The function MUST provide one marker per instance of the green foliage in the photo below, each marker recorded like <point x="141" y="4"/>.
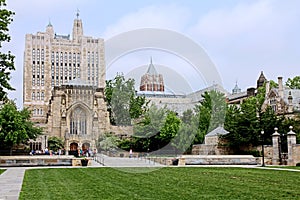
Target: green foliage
<point x="153" y="131"/>
<point x="6" y="59"/>
<point x="125" y="144"/>
<point x="293" y="83"/>
<point x="15" y="126"/>
<point x="151" y="123"/>
<point x="246" y="123"/>
<point x="123" y="104"/>
<point x="261" y="93"/>
<point x="55" y="143"/>
<point x="170" y="127"/>
<point x="166" y="183"/>
<point x="184" y="139"/>
<point x="108" y="141"/>
<point x="211" y="113"/>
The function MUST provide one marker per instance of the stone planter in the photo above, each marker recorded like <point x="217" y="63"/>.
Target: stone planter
<point x="84" y="162"/>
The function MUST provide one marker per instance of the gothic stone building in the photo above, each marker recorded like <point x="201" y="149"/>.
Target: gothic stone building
<point x="283" y="100"/>
<point x="152" y="81"/>
<point x="64" y="79"/>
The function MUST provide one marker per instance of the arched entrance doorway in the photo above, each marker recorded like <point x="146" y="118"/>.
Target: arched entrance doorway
<point x="85" y="147"/>
<point x="73" y="149"/>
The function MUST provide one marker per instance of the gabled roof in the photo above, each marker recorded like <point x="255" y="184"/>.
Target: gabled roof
<point x="217" y="131"/>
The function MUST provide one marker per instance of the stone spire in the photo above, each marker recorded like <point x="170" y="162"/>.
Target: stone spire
<point x="50" y="30"/>
<point x="261" y="80"/>
<point x="151" y="69"/>
<point x="77" y="28"/>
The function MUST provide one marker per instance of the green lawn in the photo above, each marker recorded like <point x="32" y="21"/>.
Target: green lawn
<point x="166" y="183"/>
<point x="2" y="170"/>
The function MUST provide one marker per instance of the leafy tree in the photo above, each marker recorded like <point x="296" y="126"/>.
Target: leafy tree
<point x="123" y="104"/>
<point x="107" y="142"/>
<point x="6" y="59"/>
<point x="211" y="113"/>
<point x="153" y="131"/>
<point x="55" y="143"/>
<point x="15" y="126"/>
<point x="246" y="122"/>
<point x="170" y="128"/>
<point x="293" y="83"/>
<point x="187" y="116"/>
<point x="148" y="127"/>
<point x="184" y="139"/>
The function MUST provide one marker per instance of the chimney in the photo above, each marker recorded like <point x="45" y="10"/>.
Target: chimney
<point x="280" y="87"/>
<point x="290" y="101"/>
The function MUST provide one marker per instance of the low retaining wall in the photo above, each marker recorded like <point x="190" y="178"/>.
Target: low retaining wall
<point x="45" y="160"/>
<point x="217" y="160"/>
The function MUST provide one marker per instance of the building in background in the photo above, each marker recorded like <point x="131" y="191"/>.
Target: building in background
<point x="64" y="79"/>
<point x="52" y="60"/>
<point x="152" y="81"/>
<point x="282" y="99"/>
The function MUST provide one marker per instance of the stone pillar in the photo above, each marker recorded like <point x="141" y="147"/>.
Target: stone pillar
<point x="275" y="141"/>
<point x="291" y="140"/>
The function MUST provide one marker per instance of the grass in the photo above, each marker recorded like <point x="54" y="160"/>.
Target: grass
<point x="166" y="183"/>
<point x="2" y="170"/>
<point x="285" y="167"/>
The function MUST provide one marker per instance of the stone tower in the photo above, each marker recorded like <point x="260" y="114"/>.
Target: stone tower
<point x="52" y="60"/>
<point x="152" y="81"/>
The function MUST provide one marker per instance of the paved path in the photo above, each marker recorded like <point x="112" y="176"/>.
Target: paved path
<point x="11" y="183"/>
<point x="126" y="162"/>
<point x="11" y="180"/>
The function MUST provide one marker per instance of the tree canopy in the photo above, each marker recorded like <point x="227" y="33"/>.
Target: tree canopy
<point x="293" y="83"/>
<point x="211" y="113"/>
<point x="6" y="59"/>
<point x="15" y="126"/>
<point x="123" y="104"/>
<point x="55" y="143"/>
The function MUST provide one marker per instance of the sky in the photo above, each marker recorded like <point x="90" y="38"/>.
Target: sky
<point x="241" y="37"/>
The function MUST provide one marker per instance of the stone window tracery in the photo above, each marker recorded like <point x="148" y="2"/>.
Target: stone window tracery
<point x="78" y="122"/>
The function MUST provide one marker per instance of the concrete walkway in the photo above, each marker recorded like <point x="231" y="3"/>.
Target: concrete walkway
<point x="126" y="162"/>
<point x="11" y="183"/>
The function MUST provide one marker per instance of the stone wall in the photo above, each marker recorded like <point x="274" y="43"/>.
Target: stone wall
<point x="204" y="149"/>
<point x="11" y="161"/>
<point x="122" y="130"/>
<point x="296" y="154"/>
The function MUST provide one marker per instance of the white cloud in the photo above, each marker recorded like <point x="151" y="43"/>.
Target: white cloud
<point x="249" y="37"/>
<point x="240" y="19"/>
<point x="170" y="17"/>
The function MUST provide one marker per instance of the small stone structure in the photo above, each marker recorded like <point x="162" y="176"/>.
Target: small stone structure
<point x="211" y="144"/>
<point x="212" y="153"/>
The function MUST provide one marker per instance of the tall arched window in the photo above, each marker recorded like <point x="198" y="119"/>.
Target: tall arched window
<point x="78" y="122"/>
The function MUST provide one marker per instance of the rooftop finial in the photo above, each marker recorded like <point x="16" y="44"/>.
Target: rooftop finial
<point x="49" y="24"/>
<point x="151" y="60"/>
<point x="77" y="14"/>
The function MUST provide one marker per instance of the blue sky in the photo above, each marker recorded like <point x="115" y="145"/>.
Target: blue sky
<point x="241" y="37"/>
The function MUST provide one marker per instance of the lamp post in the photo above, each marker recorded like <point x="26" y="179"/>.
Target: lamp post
<point x="262" y="149"/>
